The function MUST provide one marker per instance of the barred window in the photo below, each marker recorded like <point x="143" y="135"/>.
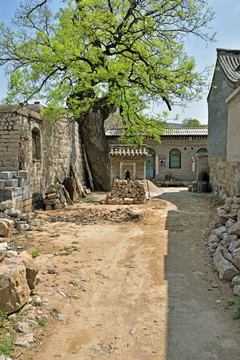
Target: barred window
<point x="175" y="159"/>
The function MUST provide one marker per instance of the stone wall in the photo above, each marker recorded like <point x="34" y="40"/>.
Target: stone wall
<point x="224" y="176"/>
<point x="9" y="142"/>
<point x="218" y="114"/>
<point x="127" y="192"/>
<point x="233" y="136"/>
<point x="58" y="146"/>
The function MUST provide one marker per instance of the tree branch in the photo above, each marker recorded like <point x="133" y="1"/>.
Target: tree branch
<point x="37" y="6"/>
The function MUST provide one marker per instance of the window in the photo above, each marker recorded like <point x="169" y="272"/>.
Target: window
<point x="36" y="144"/>
<point x="202" y="150"/>
<point x="175" y="159"/>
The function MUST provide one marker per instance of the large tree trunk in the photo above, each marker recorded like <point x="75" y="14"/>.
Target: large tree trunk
<point x="96" y="146"/>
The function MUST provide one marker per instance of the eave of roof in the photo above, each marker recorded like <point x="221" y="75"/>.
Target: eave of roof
<point x="229" y="61"/>
<point x="169" y="132"/>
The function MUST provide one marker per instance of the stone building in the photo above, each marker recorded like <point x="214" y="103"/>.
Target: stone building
<point x="44" y="149"/>
<point x="223" y="124"/>
<point x="181" y="156"/>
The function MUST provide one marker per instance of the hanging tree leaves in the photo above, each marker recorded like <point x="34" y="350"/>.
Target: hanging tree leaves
<point x="100" y="55"/>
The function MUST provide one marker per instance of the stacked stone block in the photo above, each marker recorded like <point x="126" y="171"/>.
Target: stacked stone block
<point x="55" y="198"/>
<point x="127" y="192"/>
<point x="9" y="142"/>
<point x="15" y="186"/>
<point x="224" y="242"/>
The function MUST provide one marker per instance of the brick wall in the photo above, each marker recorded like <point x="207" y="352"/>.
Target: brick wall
<point x="188" y="148"/>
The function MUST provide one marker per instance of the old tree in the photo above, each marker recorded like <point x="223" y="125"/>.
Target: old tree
<point x="96" y="56"/>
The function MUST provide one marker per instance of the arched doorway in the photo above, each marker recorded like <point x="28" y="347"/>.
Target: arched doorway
<point x="150" y="164"/>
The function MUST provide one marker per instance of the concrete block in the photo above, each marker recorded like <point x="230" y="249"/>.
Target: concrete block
<point x="23" y="173"/>
<point x="6" y="175"/>
<point x="11" y="183"/>
<point x="27" y="192"/>
<point x="21" y="181"/>
<point x="2" y="184"/>
<point x="7" y="195"/>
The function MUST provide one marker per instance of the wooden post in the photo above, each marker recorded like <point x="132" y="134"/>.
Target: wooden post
<point x="88" y="168"/>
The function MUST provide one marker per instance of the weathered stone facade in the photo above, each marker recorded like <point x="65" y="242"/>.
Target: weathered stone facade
<point x="224" y="125"/>
<point x="225" y="176"/>
<point x="43" y="148"/>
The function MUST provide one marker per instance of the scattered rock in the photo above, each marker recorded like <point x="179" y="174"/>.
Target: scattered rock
<point x="235" y="229"/>
<point x="226" y="270"/>
<point x="62" y="317"/>
<point x="133" y="331"/>
<point x="234" y="245"/>
<point x="236" y="258"/>
<point x="14" y="290"/>
<point x="51" y="271"/>
<point x="25" y="341"/>
<point x="236" y="290"/>
<point x="22" y="327"/>
<point x="31" y="269"/>
<point x="236" y="280"/>
<point x="6" y="228"/>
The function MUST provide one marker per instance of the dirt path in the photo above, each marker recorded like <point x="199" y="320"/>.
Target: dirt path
<point x="133" y="290"/>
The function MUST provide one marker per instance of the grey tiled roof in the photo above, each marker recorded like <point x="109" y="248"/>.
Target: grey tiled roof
<point x="169" y="132"/>
<point x="229" y="61"/>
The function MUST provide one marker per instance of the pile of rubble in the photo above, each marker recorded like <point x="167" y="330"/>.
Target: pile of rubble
<point x="224" y="242"/>
<point x="87" y="216"/>
<point x="55" y="197"/>
<point x="126" y="192"/>
<point x="11" y="218"/>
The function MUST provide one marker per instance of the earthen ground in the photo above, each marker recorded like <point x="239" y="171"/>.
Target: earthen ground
<point x="136" y="290"/>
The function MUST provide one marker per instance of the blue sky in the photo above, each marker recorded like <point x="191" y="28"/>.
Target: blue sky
<point x="226" y="24"/>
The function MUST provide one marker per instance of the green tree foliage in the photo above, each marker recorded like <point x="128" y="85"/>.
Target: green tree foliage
<point x="191" y="123"/>
<point x="124" y="53"/>
<point x="96" y="56"/>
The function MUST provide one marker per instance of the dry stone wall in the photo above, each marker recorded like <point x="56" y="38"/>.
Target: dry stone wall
<point x="224" y="242"/>
<point x="58" y="147"/>
<point x="224" y="176"/>
<point x="9" y="140"/>
<point x="127" y="193"/>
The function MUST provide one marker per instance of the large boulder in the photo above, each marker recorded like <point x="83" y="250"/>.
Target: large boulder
<point x="14" y="290"/>
<point x="226" y="269"/>
<point x="8" y="204"/>
<point x="6" y="228"/>
<point x="31" y="268"/>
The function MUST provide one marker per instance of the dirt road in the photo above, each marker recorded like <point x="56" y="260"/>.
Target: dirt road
<point x="132" y="290"/>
